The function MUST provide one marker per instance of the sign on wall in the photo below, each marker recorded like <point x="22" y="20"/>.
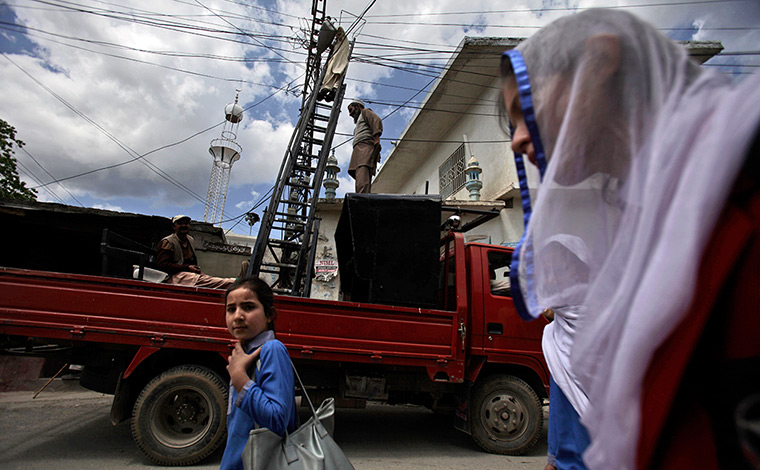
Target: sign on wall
<point x="325" y="269"/>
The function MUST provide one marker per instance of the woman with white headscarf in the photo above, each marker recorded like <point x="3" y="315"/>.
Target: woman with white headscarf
<point x="638" y="150"/>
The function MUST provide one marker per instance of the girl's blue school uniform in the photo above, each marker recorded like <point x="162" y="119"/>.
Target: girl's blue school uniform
<point x="269" y="402"/>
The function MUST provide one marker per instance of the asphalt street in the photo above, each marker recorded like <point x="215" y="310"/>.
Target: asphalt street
<point x="70" y="429"/>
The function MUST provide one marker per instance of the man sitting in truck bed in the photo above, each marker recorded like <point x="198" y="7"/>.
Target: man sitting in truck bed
<point x="176" y="256"/>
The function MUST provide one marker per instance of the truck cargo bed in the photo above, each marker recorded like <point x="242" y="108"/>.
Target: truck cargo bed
<point x="73" y="307"/>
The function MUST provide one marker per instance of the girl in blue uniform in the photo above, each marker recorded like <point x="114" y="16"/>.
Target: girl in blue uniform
<point x="262" y="392"/>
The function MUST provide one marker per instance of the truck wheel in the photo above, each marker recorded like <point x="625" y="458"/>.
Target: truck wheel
<point x="180" y="417"/>
<point x="506" y="415"/>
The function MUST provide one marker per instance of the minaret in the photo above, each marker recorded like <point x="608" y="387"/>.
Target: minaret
<point x="225" y="152"/>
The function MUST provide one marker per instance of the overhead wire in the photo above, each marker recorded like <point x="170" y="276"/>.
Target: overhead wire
<point x="435" y="68"/>
<point x="407" y="41"/>
<point x="169" y="26"/>
<point x="466" y="25"/>
<point x="394" y="61"/>
<point x="360" y="17"/>
<point x="50" y="175"/>
<point x="23" y="169"/>
<point x="546" y="9"/>
<point x="131" y="13"/>
<point x="152" y="166"/>
<point x="405" y="104"/>
<point x="436" y="141"/>
<point x="140" y="61"/>
<point x="254" y="38"/>
<point x="131" y="152"/>
<point x="175" y="54"/>
<point x="214" y="126"/>
<point x="109" y="135"/>
<point x="236" y="15"/>
<point x="265" y="197"/>
<point x="415" y="71"/>
<point x="367" y="59"/>
<point x="257" y="7"/>
<point x="410" y="99"/>
<point x="163" y="147"/>
<point x="292" y="27"/>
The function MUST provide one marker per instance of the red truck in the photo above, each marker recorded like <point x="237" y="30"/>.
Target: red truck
<point x="161" y="350"/>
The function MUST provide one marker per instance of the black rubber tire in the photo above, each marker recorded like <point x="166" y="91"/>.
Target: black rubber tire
<point x="180" y="417"/>
<point x="506" y="415"/>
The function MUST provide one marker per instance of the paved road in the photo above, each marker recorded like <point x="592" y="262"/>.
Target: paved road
<point x="71" y="430"/>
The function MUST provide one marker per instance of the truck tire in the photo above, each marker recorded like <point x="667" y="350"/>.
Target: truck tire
<point x="506" y="415"/>
<point x="180" y="417"/>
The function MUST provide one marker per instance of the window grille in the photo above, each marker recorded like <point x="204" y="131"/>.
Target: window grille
<point x="451" y="174"/>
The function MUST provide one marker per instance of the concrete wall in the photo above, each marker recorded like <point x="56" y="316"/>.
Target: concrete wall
<point x="326" y="284"/>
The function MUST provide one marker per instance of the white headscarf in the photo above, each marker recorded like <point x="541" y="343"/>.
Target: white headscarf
<point x="643" y="147"/>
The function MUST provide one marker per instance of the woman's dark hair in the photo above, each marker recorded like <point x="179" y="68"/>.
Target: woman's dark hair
<point x="263" y="293"/>
<point x="505" y="68"/>
<point x="507" y="73"/>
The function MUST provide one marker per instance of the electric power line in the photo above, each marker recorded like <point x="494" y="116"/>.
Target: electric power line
<point x="501" y="26"/>
<point x="28" y="172"/>
<point x="129" y="151"/>
<point x="393" y="61"/>
<point x="536" y="10"/>
<point x="51" y="175"/>
<point x="23" y="29"/>
<point x="255" y="39"/>
<point x="168" y="26"/>
<point x="167" y="67"/>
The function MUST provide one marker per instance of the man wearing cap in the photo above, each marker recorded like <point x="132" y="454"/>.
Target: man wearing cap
<point x="366" y="154"/>
<point x="176" y="256"/>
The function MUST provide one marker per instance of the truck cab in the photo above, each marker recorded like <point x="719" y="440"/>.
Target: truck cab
<point x="496" y="327"/>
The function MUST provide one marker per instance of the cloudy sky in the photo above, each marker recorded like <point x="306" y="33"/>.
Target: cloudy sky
<point x="120" y="99"/>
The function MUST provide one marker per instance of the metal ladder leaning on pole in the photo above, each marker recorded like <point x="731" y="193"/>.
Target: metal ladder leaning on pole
<point x="289" y="229"/>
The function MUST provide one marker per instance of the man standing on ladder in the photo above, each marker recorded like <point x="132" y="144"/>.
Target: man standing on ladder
<point x="366" y="154"/>
<point x="336" y="67"/>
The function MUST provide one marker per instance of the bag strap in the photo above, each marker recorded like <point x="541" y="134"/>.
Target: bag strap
<point x="303" y="390"/>
<point x="320" y="428"/>
<point x="288" y="446"/>
<point x="255" y="376"/>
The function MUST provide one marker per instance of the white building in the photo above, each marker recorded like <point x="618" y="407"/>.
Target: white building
<point x="430" y="156"/>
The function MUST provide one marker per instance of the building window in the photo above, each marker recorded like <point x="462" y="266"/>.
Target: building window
<point x="451" y="174"/>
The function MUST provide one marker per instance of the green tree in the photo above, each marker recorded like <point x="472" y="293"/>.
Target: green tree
<point x="11" y="186"/>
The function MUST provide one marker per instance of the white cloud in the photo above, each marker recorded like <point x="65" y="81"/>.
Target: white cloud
<point x="245" y="205"/>
<point x="108" y="207"/>
<point x="264" y="142"/>
<point x="346" y="186"/>
<point x="146" y="106"/>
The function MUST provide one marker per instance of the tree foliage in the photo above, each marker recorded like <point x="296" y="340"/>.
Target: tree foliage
<point x="11" y="186"/>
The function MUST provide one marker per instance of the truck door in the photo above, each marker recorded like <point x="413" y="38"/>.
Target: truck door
<point x="503" y="328"/>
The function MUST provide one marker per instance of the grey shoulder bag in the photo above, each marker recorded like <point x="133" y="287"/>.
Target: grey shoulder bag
<point x="310" y="447"/>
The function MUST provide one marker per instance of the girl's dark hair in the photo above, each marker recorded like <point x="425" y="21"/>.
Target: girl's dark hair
<point x="263" y="293"/>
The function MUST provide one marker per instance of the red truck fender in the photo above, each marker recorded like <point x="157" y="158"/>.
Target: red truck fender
<point x="476" y="363"/>
<point x="143" y="353"/>
<point x="146" y="351"/>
